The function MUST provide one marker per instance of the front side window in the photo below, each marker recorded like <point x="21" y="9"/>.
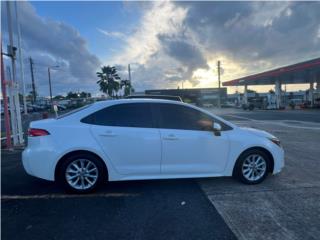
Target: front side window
<point x="122" y="115"/>
<point x="174" y="116"/>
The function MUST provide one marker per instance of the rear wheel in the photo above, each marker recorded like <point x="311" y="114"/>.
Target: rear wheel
<point x="252" y="167"/>
<point x="81" y="173"/>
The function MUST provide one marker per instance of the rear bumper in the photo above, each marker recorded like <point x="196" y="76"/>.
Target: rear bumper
<point x="38" y="163"/>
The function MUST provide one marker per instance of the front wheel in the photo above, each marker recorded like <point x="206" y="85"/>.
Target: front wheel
<point x="81" y="173"/>
<point x="252" y="167"/>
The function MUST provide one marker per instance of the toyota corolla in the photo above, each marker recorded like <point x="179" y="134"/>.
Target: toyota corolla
<point x="134" y="139"/>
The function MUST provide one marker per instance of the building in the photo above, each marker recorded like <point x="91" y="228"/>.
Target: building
<point x="198" y="96"/>
<point x="267" y="100"/>
<point x="307" y="72"/>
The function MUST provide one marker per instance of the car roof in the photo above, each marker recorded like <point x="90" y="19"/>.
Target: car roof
<point x="153" y="96"/>
<point x="137" y="100"/>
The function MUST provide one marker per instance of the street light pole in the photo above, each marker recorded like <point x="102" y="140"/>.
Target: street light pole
<point x="20" y="60"/>
<point x="5" y="103"/>
<point x="50" y="85"/>
<point x="16" y="110"/>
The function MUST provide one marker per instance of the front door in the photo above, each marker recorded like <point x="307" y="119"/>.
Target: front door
<point x="189" y="145"/>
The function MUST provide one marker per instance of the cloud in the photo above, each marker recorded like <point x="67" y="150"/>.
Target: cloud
<point x="160" y="45"/>
<point x="50" y="42"/>
<point x="249" y="31"/>
<point x="183" y="51"/>
<point x="178" y="41"/>
<point x="112" y="34"/>
<point x="247" y="37"/>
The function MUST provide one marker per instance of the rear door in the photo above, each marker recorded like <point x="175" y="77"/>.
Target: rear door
<point x="189" y="145"/>
<point x="127" y="135"/>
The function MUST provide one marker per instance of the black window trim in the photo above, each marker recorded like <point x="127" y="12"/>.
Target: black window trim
<point x="158" y="118"/>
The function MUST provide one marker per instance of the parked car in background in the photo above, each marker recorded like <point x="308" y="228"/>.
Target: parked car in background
<point x="228" y="105"/>
<point x="207" y="105"/>
<point x="134" y="139"/>
<point x="36" y="107"/>
<point x="61" y="107"/>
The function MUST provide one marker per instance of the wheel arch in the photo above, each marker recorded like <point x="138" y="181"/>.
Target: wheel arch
<point x="264" y="150"/>
<point x="66" y="155"/>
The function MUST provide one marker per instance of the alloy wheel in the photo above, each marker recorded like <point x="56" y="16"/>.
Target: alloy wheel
<point x="254" y="167"/>
<point x="81" y="174"/>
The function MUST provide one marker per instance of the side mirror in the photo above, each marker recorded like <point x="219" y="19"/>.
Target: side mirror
<point x="216" y="129"/>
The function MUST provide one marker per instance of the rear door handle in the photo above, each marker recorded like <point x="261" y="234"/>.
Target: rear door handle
<point x="108" y="134"/>
<point x="170" y="137"/>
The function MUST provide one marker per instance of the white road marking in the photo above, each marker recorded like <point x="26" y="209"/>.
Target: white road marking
<point x="281" y="122"/>
<point x="61" y="196"/>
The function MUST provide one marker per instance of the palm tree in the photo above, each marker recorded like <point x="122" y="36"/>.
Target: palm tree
<point x="109" y="80"/>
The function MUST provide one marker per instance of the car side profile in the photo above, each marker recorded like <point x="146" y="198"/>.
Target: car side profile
<point x="135" y="139"/>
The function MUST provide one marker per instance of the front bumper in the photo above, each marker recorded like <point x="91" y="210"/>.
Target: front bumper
<point x="278" y="156"/>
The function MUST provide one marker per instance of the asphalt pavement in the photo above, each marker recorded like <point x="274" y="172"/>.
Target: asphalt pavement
<point x="306" y="115"/>
<point x="285" y="206"/>
<point x="169" y="209"/>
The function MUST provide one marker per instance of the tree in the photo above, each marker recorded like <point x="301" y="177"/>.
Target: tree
<point x="30" y="97"/>
<point x="72" y="95"/>
<point x="109" y="80"/>
<point x="127" y="87"/>
<point x="251" y="91"/>
<point x="85" y="95"/>
<point x="58" y="97"/>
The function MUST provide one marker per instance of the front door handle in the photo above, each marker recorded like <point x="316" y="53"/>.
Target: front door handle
<point x="170" y="137"/>
<point x="108" y="134"/>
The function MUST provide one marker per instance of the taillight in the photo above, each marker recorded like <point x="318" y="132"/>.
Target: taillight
<point x="35" y="132"/>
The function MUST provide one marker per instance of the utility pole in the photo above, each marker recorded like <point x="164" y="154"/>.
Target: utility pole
<point x="32" y="79"/>
<point x="50" y="88"/>
<point x="219" y="73"/>
<point x="129" y="71"/>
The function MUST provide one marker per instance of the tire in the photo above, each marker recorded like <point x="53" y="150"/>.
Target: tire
<point x="85" y="179"/>
<point x="252" y="167"/>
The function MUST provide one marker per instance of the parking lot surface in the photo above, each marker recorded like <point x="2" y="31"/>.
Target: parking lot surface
<point x="285" y="206"/>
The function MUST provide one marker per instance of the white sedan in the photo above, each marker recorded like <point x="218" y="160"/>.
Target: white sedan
<point x="132" y="139"/>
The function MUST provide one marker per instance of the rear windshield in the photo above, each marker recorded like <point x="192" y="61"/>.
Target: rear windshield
<point x="73" y="111"/>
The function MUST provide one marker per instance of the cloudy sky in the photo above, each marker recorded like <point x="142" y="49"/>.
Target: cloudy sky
<point x="166" y="43"/>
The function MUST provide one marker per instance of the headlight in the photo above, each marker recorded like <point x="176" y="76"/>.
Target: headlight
<point x="275" y="141"/>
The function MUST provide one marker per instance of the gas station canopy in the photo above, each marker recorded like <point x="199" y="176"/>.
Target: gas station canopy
<point x="304" y="72"/>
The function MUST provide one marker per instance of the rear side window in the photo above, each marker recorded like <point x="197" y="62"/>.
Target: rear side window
<point x="73" y="111"/>
<point x="122" y="115"/>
